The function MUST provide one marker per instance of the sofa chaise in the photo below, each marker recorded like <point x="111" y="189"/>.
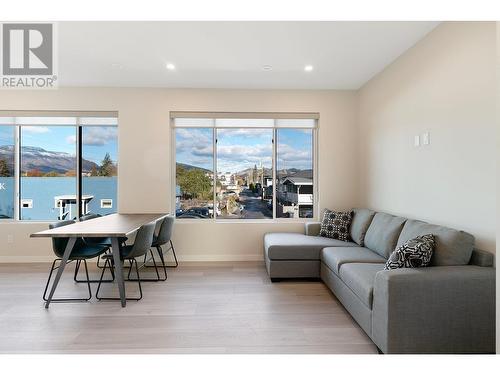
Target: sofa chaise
<point x="448" y="307"/>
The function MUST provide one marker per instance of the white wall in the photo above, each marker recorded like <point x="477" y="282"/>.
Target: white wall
<point x="145" y="166"/>
<point x="445" y="84"/>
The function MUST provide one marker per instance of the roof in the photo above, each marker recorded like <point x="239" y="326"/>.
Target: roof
<point x="299" y="180"/>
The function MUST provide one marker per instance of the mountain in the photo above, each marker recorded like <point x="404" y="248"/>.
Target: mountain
<point x="280" y="173"/>
<point x="44" y="160"/>
<point x="189" y="167"/>
<point x="245" y="172"/>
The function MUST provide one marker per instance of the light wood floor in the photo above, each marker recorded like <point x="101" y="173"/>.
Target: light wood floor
<point x="202" y="308"/>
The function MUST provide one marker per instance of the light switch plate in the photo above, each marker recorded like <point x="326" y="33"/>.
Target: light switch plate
<point x="426" y="138"/>
<point x="417" y="141"/>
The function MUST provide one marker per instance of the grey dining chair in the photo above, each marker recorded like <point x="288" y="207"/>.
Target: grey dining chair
<point x="106" y="241"/>
<point x="164" y="237"/>
<point x="141" y="246"/>
<point x="80" y="253"/>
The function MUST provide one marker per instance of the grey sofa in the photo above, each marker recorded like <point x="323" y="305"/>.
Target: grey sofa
<point x="448" y="307"/>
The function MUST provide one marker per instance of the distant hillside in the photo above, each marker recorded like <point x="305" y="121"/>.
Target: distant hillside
<point x="189" y="167"/>
<point x="45" y="161"/>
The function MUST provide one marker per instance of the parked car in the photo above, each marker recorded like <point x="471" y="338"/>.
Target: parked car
<point x="202" y="211"/>
<point x="191" y="216"/>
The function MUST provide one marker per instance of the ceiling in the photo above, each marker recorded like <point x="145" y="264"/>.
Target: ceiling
<point x="345" y="55"/>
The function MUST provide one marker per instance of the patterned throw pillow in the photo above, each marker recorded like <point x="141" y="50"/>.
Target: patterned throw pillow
<point x="336" y="225"/>
<point x="414" y="253"/>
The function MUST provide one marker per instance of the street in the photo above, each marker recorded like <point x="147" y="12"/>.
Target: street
<point x="255" y="207"/>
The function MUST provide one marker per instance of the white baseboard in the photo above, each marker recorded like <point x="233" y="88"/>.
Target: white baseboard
<point x="188" y="258"/>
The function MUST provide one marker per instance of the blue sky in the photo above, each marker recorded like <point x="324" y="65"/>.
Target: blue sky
<point x="238" y="149"/>
<point x="97" y="140"/>
<point x="6" y="135"/>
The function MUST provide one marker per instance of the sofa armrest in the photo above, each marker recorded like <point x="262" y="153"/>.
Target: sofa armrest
<point x="481" y="258"/>
<point x="312" y="228"/>
<point x="434" y="310"/>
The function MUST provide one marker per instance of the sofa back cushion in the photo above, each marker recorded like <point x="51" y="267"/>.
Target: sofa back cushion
<point x="383" y="233"/>
<point x="360" y="223"/>
<point x="453" y="247"/>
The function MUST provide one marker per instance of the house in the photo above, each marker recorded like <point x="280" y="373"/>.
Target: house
<point x="295" y="196"/>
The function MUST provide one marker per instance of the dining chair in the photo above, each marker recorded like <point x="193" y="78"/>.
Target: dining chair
<point x="80" y="253"/>
<point x="141" y="246"/>
<point x="96" y="240"/>
<point x="164" y="237"/>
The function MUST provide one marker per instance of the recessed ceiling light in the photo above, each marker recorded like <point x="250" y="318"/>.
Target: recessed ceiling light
<point x="170" y="66"/>
<point x="267" y="67"/>
<point x="308" y="68"/>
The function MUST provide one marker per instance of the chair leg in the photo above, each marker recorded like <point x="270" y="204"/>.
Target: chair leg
<point x="52" y="268"/>
<point x="77" y="269"/>
<point x="109" y="264"/>
<point x="138" y="279"/>
<point x="162" y="259"/>
<point x="160" y="249"/>
<point x="99" y="259"/>
<point x="158" y="278"/>
<point x="175" y="257"/>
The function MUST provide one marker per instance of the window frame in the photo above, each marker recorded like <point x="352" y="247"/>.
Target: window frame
<point x="247" y="116"/>
<point x="78" y="127"/>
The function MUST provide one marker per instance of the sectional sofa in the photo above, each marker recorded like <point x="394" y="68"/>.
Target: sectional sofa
<point x="448" y="307"/>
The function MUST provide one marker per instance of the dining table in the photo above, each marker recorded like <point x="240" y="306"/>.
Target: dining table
<point x="113" y="226"/>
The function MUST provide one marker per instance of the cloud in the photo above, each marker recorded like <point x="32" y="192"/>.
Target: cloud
<point x="35" y="129"/>
<point x="236" y="151"/>
<point x="99" y="135"/>
<point x="71" y="139"/>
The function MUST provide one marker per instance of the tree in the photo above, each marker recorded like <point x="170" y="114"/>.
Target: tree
<point x="107" y="167"/>
<point x="195" y="184"/>
<point x="94" y="172"/>
<point x="34" y="173"/>
<point x="4" y="169"/>
<point x="51" y="174"/>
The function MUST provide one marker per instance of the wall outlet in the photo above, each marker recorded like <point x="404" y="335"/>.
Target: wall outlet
<point x="426" y="138"/>
<point x="10" y="238"/>
<point x="417" y="141"/>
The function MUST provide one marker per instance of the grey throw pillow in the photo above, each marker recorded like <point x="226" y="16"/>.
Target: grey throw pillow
<point x="416" y="252"/>
<point x="336" y="225"/>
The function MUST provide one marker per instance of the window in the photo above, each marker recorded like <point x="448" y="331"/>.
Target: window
<point x="244" y="172"/>
<point x="294" y="160"/>
<point x="48" y="172"/>
<point x="7" y="187"/>
<point x="194" y="173"/>
<point x="263" y="167"/>
<point x="47" y="155"/>
<point x="99" y="167"/>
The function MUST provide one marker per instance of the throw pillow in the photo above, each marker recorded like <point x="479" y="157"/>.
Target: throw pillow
<point x="416" y="252"/>
<point x="336" y="225"/>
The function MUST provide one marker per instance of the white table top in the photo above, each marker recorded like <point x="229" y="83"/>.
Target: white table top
<point x="115" y="225"/>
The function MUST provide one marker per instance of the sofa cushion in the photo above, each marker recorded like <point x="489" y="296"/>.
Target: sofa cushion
<point x="414" y="253"/>
<point x="335" y="257"/>
<point x="360" y="222"/>
<point x="335" y="224"/>
<point x="383" y="233"/>
<point x="360" y="278"/>
<point x="453" y="247"/>
<point x="297" y="246"/>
